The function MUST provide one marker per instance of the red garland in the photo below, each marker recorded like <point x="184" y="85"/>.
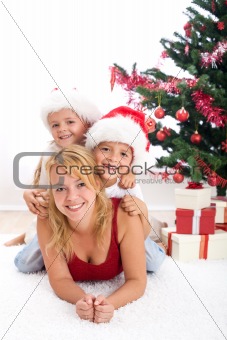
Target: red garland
<point x="212" y="58"/>
<point x="203" y="103"/>
<point x="207" y="171"/>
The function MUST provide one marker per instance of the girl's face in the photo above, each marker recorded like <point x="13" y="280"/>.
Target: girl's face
<point x="113" y="160"/>
<point x="67" y="128"/>
<point x="71" y="196"/>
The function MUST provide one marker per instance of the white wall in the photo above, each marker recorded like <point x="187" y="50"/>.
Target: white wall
<point x="47" y="44"/>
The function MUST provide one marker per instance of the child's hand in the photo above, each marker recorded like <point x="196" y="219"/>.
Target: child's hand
<point x="85" y="307"/>
<point x="131" y="204"/>
<point x="127" y="181"/>
<point x="30" y="197"/>
<point x="103" y="310"/>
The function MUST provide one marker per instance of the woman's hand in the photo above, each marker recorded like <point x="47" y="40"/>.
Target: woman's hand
<point x="103" y="310"/>
<point x="85" y="307"/>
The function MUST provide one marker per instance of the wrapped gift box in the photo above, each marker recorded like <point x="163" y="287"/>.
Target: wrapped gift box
<point x="192" y="198"/>
<point x="196" y="222"/>
<point x="222" y="226"/>
<point x="221" y="208"/>
<point x="193" y="247"/>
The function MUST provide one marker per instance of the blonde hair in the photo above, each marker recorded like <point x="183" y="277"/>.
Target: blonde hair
<point x="73" y="159"/>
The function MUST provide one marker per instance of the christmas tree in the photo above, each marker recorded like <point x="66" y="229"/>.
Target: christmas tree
<point x="198" y="102"/>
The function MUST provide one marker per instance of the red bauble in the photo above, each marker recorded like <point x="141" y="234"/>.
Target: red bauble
<point x="187" y="26"/>
<point x="196" y="138"/>
<point x="159" y="112"/>
<point x="188" y="33"/>
<point x="212" y="180"/>
<point x="178" y="178"/>
<point x="150" y="125"/>
<point x="161" y="135"/>
<point x="182" y="115"/>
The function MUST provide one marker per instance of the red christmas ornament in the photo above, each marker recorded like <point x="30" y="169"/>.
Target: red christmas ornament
<point x="212" y="180"/>
<point x="182" y="115"/>
<point x="196" y="138"/>
<point x="178" y="178"/>
<point x="161" y="135"/>
<point x="159" y="112"/>
<point x="188" y="33"/>
<point x="221" y="25"/>
<point x="186" y="49"/>
<point x="187" y="26"/>
<point x="150" y="124"/>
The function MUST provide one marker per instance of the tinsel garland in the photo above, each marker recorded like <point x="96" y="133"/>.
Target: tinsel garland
<point x="214" y="57"/>
<point x="207" y="171"/>
<point x="203" y="103"/>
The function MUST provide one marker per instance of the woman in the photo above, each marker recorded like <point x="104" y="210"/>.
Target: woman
<point x="89" y="237"/>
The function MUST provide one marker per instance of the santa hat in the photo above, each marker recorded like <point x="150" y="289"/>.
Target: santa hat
<point x="72" y="99"/>
<point x="123" y="125"/>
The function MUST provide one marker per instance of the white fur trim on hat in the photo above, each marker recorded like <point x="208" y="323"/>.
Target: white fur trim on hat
<point x="119" y="129"/>
<point x="56" y="101"/>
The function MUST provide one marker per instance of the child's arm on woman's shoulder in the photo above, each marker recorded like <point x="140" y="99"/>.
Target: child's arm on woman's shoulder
<point x="127" y="181"/>
<point x="37" y="201"/>
<point x="135" y="206"/>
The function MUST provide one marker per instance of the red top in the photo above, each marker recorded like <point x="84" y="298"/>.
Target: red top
<point x="84" y="271"/>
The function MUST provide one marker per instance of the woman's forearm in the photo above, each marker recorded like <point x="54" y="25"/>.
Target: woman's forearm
<point x="130" y="291"/>
<point x="68" y="290"/>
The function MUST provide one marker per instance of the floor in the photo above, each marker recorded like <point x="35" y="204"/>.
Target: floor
<point x="17" y="222"/>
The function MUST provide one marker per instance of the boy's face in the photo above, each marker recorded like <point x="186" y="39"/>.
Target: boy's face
<point x="67" y="128"/>
<point x="113" y="160"/>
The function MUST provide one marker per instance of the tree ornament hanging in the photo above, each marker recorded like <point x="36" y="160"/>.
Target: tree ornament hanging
<point x="159" y="112"/>
<point x="186" y="49"/>
<point x="221" y="25"/>
<point x="212" y="179"/>
<point x="188" y="29"/>
<point x="182" y="115"/>
<point x="178" y="178"/>
<point x="150" y="124"/>
<point x="161" y="135"/>
<point x="187" y="26"/>
<point x="196" y="138"/>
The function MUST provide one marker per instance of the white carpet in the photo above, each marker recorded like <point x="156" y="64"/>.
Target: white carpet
<point x="182" y="301"/>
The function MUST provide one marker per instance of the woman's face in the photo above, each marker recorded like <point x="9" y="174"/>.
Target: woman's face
<point x="71" y="195"/>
